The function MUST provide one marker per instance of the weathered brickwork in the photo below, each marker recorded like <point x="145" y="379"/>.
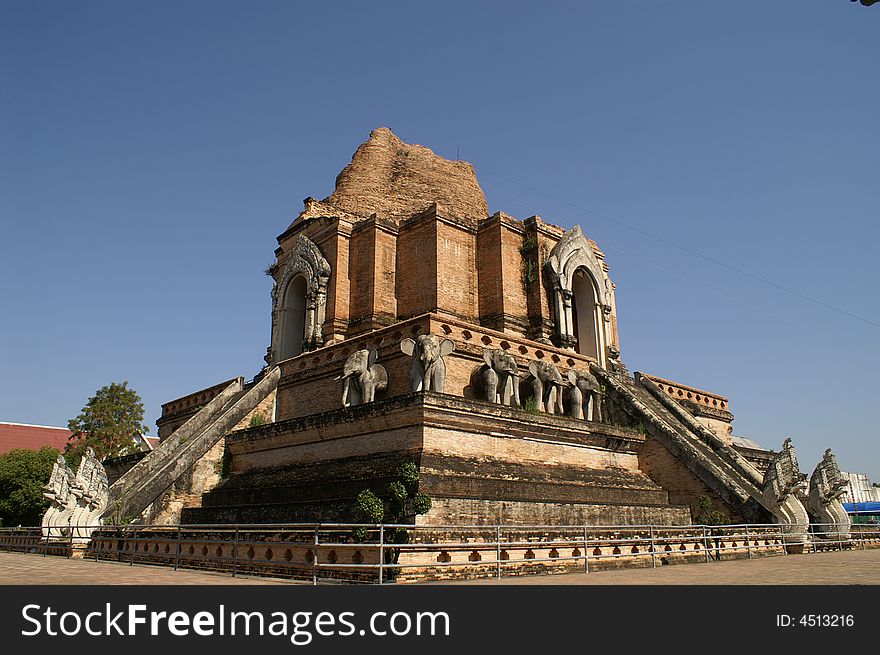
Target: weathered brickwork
<point x="405" y="247"/>
<point x="683" y="486"/>
<point x="417" y="286"/>
<point x="395" y="259"/>
<point x="205" y="474"/>
<point x="309" y="383"/>
<point x="176" y="412"/>
<point x="710" y="409"/>
<point x="396" y="179"/>
<point x="471" y="455"/>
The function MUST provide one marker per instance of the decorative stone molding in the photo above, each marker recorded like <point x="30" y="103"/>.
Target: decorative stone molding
<point x="783" y="483"/>
<point x="572" y="253"/>
<point x="827" y="486"/>
<point x="305" y="259"/>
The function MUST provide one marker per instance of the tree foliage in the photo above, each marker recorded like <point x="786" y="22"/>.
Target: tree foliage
<point x="108" y="423"/>
<point x="22" y="475"/>
<point x="708" y="514"/>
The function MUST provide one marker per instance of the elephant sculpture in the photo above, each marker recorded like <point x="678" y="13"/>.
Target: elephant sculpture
<point x="827" y="485"/>
<point x="583" y="399"/>
<point x="547" y="385"/>
<point x="362" y="377"/>
<point x="428" y="367"/>
<point x="498" y="378"/>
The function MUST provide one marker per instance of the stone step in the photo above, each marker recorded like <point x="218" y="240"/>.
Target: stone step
<point x="137" y="489"/>
<point x="714" y="467"/>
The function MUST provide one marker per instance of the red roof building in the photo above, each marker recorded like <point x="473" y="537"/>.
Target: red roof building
<point x="33" y="437"/>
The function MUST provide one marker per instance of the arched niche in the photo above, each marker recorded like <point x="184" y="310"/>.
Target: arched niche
<point x="581" y="296"/>
<point x="298" y="301"/>
<point x="586" y="313"/>
<point x="293" y="318"/>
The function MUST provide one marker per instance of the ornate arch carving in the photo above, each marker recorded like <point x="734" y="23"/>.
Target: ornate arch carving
<point x="304" y="259"/>
<point x="574" y="252"/>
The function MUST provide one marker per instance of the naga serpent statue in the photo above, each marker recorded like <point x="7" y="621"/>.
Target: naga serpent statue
<point x="827" y="485"/>
<point x="783" y="483"/>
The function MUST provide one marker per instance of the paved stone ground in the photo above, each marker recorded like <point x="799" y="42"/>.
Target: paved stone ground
<point x="852" y="567"/>
<point x="860" y="567"/>
<point x="19" y="568"/>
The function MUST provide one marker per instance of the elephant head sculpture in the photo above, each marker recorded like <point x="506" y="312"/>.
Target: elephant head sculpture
<point x="362" y="377"/>
<point x="547" y="385"/>
<point x="499" y="377"/>
<point x="583" y="399"/>
<point x="428" y="367"/>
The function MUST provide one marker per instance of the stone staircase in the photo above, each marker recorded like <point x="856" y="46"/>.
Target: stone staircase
<point x="139" y="487"/>
<point x="712" y="461"/>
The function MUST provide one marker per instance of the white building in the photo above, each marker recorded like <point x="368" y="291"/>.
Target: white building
<point x="860" y="489"/>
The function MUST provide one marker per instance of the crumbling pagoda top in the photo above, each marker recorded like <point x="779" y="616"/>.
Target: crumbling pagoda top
<point x="396" y="180"/>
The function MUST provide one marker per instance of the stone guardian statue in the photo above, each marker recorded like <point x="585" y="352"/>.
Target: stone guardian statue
<point x="547" y="386"/>
<point x="362" y="377"/>
<point x="92" y="493"/>
<point x="56" y="519"/>
<point x="783" y="483"/>
<point x="498" y="377"/>
<point x="827" y="486"/>
<point x="583" y="398"/>
<point x="428" y="371"/>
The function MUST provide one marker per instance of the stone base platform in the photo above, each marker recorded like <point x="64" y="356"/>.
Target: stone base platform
<point x="480" y="463"/>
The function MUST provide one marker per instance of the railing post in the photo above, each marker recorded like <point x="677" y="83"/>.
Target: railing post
<point x="586" y="553"/>
<point x="839" y="537"/>
<point x="705" y="544"/>
<point x="498" y="552"/>
<point x="177" y="554"/>
<point x="46" y="547"/>
<point x="381" y="552"/>
<point x="653" y="558"/>
<point x="782" y="534"/>
<point x="235" y="552"/>
<point x="748" y="542"/>
<point x="315" y="558"/>
<point x="132" y="546"/>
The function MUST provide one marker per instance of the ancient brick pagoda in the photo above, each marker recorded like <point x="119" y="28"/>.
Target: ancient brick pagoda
<point x="408" y="325"/>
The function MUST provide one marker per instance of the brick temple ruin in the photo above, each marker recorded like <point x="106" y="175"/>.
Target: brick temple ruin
<point x="409" y="325"/>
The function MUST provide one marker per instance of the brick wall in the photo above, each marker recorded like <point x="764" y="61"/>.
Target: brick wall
<point x="684" y="487"/>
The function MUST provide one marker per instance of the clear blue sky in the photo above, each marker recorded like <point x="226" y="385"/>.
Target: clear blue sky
<point x="150" y="153"/>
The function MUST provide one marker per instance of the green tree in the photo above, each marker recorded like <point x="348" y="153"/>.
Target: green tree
<point x="400" y="504"/>
<point x="108" y="423"/>
<point x="708" y="514"/>
<point x="22" y="476"/>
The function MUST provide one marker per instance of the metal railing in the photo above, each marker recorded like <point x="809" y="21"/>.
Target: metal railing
<point x="379" y="553"/>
